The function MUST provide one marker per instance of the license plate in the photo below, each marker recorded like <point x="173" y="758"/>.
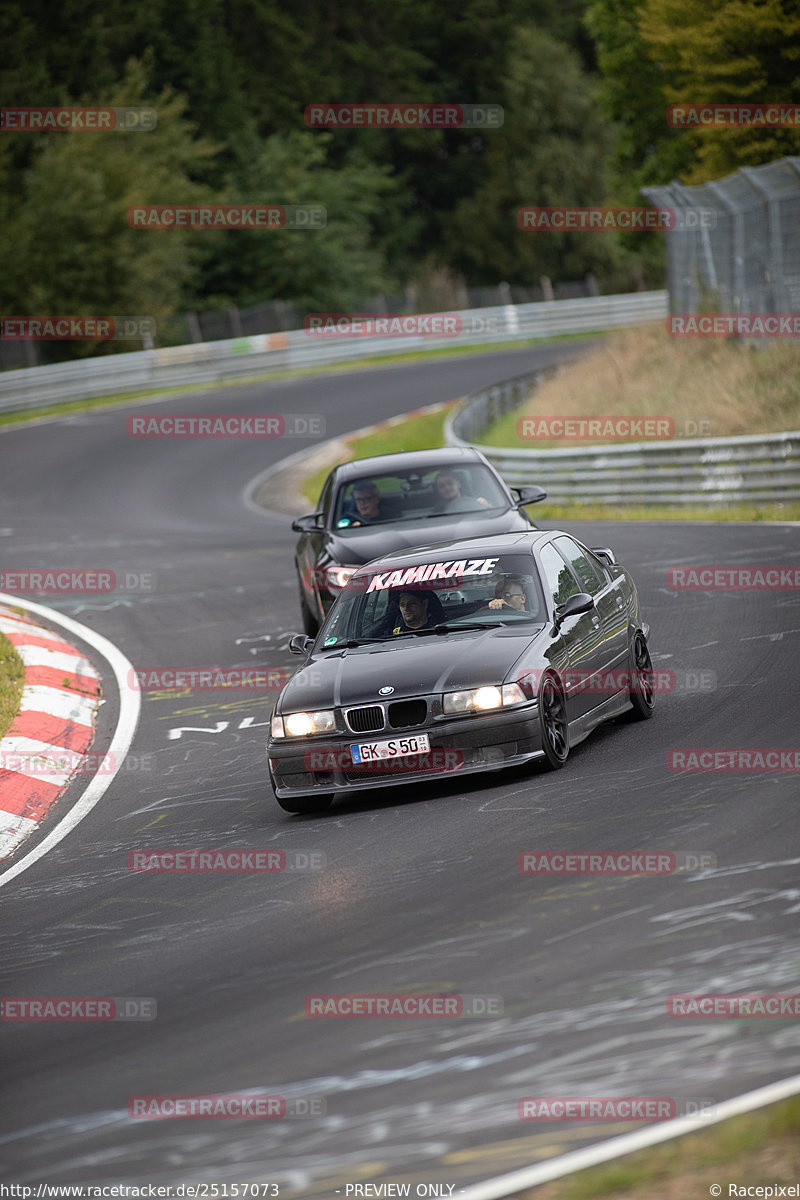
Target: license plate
<point x="364" y="752"/>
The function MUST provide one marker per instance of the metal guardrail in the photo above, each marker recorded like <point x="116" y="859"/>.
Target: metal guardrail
<point x="760" y="467"/>
<point x="214" y="362"/>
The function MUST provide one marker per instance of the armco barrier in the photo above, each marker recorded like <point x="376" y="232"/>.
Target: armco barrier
<point x="212" y="362"/>
<point x="761" y="467"/>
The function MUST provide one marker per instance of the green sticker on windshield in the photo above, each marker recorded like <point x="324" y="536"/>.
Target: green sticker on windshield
<point x="330" y="641"/>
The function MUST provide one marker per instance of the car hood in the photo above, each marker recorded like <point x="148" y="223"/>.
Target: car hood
<point x="413" y="666"/>
<point x="375" y="541"/>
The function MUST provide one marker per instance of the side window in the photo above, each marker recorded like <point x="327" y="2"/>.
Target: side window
<point x="589" y="577"/>
<point x="560" y="582"/>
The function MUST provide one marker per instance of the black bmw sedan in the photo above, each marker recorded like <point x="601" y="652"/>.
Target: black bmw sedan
<point x="393" y="502"/>
<point x="462" y="656"/>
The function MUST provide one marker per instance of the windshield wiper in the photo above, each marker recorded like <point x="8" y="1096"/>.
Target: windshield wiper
<point x="446" y="629"/>
<point x="461" y="512"/>
<point x="351" y="643"/>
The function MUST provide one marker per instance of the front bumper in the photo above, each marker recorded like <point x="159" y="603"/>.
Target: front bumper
<point x="479" y="742"/>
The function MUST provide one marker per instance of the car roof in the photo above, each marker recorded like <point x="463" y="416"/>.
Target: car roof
<point x="474" y="547"/>
<point x="409" y="460"/>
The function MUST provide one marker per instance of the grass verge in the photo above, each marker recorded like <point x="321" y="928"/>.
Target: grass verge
<point x="708" y="386"/>
<point x="12" y="676"/>
<point x="756" y="1149"/>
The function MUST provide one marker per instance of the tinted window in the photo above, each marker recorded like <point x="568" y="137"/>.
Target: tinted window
<point x="589" y="577"/>
<point x="414" y="495"/>
<point x="560" y="582"/>
<point x="498" y="590"/>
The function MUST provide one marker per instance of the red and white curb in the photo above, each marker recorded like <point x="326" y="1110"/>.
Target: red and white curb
<point x="56" y="722"/>
<point x="47" y="741"/>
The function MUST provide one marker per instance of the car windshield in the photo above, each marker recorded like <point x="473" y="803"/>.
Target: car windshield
<point x="381" y="603"/>
<point x="414" y="495"/>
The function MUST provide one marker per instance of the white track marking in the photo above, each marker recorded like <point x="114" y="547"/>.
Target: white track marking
<point x="12" y="625"/>
<point x="40" y="656"/>
<point x="38" y="760"/>
<point x="71" y="706"/>
<point x="14" y="828"/>
<point x="640" y="1139"/>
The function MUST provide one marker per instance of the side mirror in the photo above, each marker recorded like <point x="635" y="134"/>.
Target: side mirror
<point x="306" y="524"/>
<point x="581" y="602"/>
<point x="529" y="493"/>
<point x="605" y="554"/>
<point x="300" y="644"/>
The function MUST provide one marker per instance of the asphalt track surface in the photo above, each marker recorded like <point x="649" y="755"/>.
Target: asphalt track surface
<point x="421" y="891"/>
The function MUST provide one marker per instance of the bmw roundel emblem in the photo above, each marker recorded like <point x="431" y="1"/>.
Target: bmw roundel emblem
<point x="386" y="691"/>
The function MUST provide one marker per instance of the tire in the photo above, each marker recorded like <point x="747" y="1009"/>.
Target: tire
<point x="310" y="622"/>
<point x="305" y="804"/>
<point x="642" y="692"/>
<point x="553" y="724"/>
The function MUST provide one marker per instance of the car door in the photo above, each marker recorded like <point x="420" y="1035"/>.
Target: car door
<point x="311" y="545"/>
<point x="609" y="597"/>
<point x="582" y="636"/>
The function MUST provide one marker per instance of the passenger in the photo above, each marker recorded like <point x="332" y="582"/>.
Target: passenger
<point x="448" y="487"/>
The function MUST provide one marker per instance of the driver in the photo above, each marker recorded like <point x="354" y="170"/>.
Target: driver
<point x="415" y="611"/>
<point x="369" y="505"/>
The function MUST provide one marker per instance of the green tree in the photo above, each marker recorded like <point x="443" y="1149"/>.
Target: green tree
<point x="68" y="246"/>
<point x="552" y="152"/>
<point x="728" y="51"/>
<point x="634" y="97"/>
<point x="330" y="268"/>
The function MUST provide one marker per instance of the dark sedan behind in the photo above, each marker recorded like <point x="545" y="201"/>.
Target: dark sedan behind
<point x="392" y="503"/>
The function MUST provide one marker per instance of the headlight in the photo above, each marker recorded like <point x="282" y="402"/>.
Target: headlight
<point x="300" y="724"/>
<point x="482" y="699"/>
<point x="339" y="577"/>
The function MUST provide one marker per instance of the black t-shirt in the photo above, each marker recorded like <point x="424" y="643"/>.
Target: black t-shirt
<point x="401" y="627"/>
